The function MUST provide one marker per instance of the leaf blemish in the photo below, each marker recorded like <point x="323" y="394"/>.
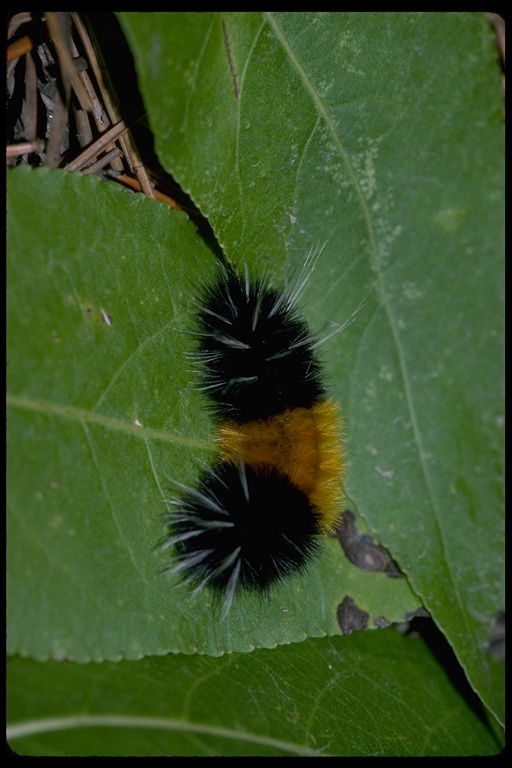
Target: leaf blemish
<point x="230" y="60"/>
<point x="106" y="317"/>
<point x="362" y="551"/>
<point x="350" y="617"/>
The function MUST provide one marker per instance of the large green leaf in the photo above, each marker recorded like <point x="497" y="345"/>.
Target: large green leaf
<point x="380" y="135"/>
<point x="368" y="694"/>
<point x="103" y="420"/>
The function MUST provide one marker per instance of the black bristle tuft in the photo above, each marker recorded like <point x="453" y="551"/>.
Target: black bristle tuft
<point x="256" y="348"/>
<point x="242" y="530"/>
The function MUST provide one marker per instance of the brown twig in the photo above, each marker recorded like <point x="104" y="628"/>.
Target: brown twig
<point x="103" y="142"/>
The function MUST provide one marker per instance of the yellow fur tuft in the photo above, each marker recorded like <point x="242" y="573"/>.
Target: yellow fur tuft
<point x="304" y="444"/>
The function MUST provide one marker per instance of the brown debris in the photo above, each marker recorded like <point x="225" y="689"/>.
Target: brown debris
<point x="61" y="112"/>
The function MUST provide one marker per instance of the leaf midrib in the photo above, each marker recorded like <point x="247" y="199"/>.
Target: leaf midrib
<point x="82" y="415"/>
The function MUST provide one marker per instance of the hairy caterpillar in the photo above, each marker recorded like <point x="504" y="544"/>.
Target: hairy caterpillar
<point x="259" y="513"/>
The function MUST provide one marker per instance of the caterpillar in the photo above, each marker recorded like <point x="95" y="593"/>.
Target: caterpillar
<point x="260" y="512"/>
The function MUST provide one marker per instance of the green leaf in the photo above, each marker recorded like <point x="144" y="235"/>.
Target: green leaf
<point x="104" y="420"/>
<point x="375" y="693"/>
<point x="380" y="135"/>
